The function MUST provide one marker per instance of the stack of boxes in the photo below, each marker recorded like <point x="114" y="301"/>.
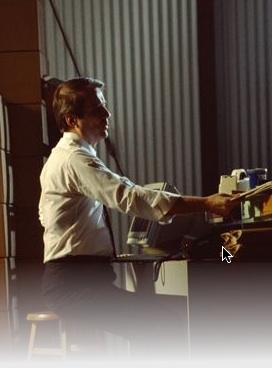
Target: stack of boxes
<point x="8" y="296"/>
<point x="22" y="66"/>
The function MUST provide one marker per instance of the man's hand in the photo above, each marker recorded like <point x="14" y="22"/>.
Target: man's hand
<point x="221" y="204"/>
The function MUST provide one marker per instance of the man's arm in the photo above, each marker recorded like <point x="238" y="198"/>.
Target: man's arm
<point x="220" y="204"/>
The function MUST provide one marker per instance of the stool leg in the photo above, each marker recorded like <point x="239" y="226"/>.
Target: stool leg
<point x="31" y="341"/>
<point x="63" y="339"/>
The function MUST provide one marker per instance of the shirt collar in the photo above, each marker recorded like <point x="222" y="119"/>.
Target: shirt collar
<point x="73" y="136"/>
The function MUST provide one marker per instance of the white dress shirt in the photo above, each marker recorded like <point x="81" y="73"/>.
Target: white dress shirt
<point x="75" y="184"/>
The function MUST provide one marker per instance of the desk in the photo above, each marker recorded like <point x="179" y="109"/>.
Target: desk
<point x="229" y="306"/>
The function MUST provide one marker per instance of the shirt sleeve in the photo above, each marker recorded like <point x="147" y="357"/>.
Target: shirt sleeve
<point x="89" y="176"/>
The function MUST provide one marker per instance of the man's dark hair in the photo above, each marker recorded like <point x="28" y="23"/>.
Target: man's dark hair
<point x="70" y="98"/>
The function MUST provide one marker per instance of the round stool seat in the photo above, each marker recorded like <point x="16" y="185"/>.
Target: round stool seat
<point x="43" y="316"/>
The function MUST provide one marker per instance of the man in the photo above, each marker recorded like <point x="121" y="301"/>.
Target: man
<point x="78" y="279"/>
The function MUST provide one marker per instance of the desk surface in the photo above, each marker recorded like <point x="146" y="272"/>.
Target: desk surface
<point x="129" y="257"/>
<point x="255" y="240"/>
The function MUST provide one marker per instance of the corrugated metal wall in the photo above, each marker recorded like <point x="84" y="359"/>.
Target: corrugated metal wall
<point x="243" y="31"/>
<point x="146" y="52"/>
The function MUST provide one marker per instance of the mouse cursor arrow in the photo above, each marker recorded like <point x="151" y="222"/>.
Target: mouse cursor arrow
<point x="226" y="255"/>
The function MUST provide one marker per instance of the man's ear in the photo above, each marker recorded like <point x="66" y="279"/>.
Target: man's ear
<point x="70" y="121"/>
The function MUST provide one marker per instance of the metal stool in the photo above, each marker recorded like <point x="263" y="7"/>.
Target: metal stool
<point x="38" y="318"/>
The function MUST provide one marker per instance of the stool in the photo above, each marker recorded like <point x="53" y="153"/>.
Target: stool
<point x="65" y="346"/>
<point x="38" y="318"/>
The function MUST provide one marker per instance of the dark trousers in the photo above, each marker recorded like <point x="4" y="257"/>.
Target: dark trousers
<point x="155" y="324"/>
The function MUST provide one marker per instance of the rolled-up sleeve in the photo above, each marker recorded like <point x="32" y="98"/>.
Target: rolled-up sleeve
<point x="92" y="178"/>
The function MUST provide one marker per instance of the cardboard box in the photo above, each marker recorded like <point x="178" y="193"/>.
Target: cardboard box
<point x="28" y="129"/>
<point x="18" y="25"/>
<point x="7" y="231"/>
<point x="26" y="171"/>
<point x="6" y="178"/>
<point x="29" y="233"/>
<point x="20" y="80"/>
<point x="8" y="291"/>
<point x="4" y="126"/>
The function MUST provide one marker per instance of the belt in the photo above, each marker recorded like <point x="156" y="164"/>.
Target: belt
<point x="82" y="259"/>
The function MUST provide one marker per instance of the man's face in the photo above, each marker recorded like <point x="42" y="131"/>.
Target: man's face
<point x="94" y="125"/>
